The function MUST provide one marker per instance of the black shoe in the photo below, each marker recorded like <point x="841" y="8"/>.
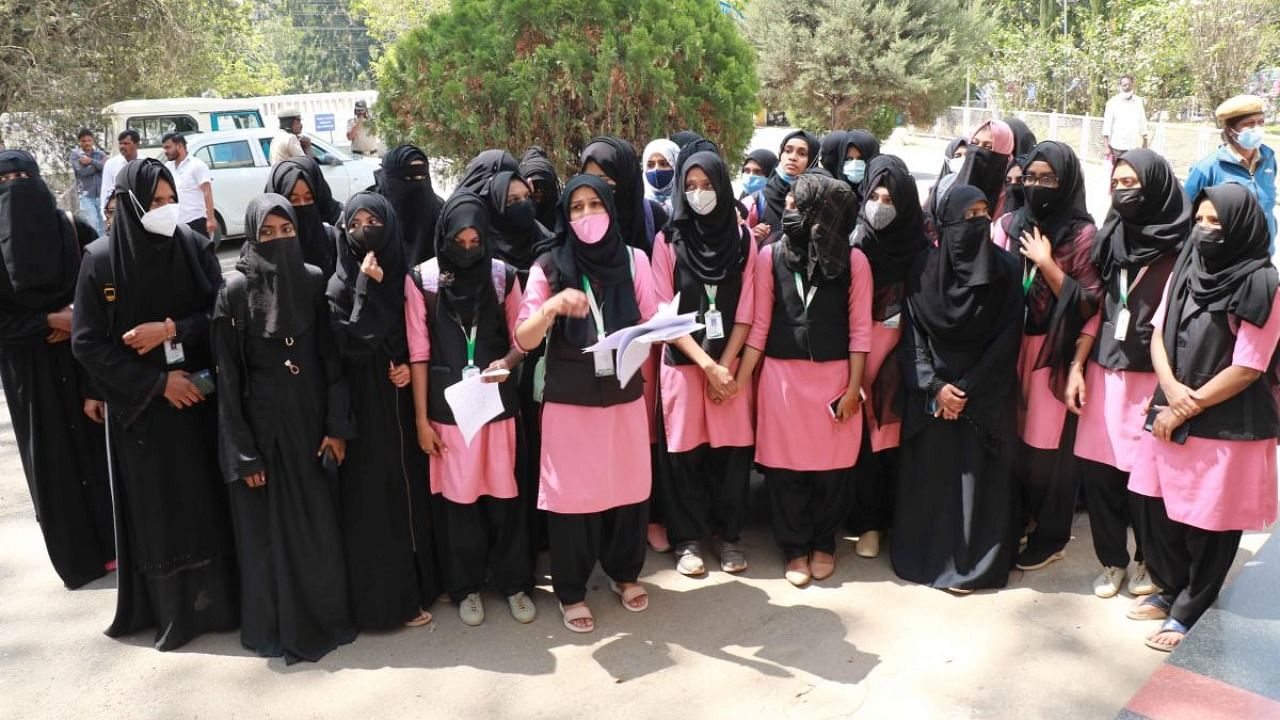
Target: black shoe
<point x="1034" y="559"/>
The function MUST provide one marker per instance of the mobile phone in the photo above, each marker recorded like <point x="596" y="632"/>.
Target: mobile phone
<point x="204" y="382"/>
<point x="833" y="407"/>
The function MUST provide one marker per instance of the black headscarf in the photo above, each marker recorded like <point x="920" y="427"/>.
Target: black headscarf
<point x="151" y="272"/>
<point x="776" y="190"/>
<point x="951" y="290"/>
<point x="1158" y="226"/>
<point x="684" y="137"/>
<point x="765" y="158"/>
<point x="1058" y="212"/>
<point x="828" y="212"/>
<point x="279" y="289"/>
<point x="619" y="161"/>
<point x="536" y="168"/>
<point x="1237" y="277"/>
<point x="949" y="153"/>
<point x="37" y="241"/>
<point x="285" y="173"/>
<point x="416" y="205"/>
<point x="893" y="249"/>
<point x="1023" y="139"/>
<point x="371" y="311"/>
<point x="831" y="152"/>
<point x="986" y="170"/>
<point x="606" y="264"/>
<point x="711" y="246"/>
<point x="701" y="145"/>
<point x="316" y="240"/>
<point x="464" y="289"/>
<point x="868" y="150"/>
<point x="515" y="235"/>
<point x="483" y="167"/>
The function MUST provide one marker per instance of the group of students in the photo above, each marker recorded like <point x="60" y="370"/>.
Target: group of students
<point x="946" y="371"/>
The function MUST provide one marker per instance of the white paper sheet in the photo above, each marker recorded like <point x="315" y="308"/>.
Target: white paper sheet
<point x="633" y="343"/>
<point x="474" y="403"/>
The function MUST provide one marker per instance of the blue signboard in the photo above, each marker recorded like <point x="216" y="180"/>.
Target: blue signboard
<point x="324" y="123"/>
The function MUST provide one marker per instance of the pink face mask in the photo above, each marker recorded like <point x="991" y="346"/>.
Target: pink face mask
<point x="590" y="229"/>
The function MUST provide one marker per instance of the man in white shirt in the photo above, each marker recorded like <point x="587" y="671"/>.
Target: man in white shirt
<point x="128" y="144"/>
<point x="195" y="186"/>
<point x="1124" y="123"/>
<point x="288" y="142"/>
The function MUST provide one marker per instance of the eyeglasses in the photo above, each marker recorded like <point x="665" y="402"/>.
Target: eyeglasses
<point x="1044" y="181"/>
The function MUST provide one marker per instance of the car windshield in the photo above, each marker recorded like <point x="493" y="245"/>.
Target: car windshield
<point x="328" y="149"/>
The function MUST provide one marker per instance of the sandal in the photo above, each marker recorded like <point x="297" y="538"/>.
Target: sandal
<point x="631" y="593"/>
<point x="799" y="576"/>
<point x="424" y="618"/>
<point x="578" y="612"/>
<point x="657" y="538"/>
<point x="821" y="570"/>
<point x="1150" y="607"/>
<point x="1170" y="627"/>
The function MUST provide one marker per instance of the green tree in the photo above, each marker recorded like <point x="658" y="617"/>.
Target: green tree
<point x="1230" y="40"/>
<point x="512" y="73"/>
<point x="835" y="63"/>
<point x="387" y="20"/>
<point x="321" y="45"/>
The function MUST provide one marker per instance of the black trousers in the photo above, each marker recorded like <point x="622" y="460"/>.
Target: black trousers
<point x="708" y="493"/>
<point x="200" y="226"/>
<point x="1050" y="482"/>
<point x="807" y="508"/>
<point x="1112" y="511"/>
<point x="615" y="537"/>
<point x="873" y="491"/>
<point x="1187" y="563"/>
<point x="487" y="537"/>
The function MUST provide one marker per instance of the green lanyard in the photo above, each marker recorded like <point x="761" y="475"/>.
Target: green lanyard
<point x="595" y="308"/>
<point x="1028" y="278"/>
<point x="711" y="296"/>
<point x="807" y="298"/>
<point x="1124" y="284"/>
<point x="471" y="344"/>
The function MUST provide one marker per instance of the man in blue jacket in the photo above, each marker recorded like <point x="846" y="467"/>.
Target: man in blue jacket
<point x="1242" y="158"/>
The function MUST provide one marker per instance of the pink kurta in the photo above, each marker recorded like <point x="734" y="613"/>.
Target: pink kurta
<point x="794" y="428"/>
<point x="486" y="467"/>
<point x="884" y="341"/>
<point x="690" y="418"/>
<point x="1041" y="414"/>
<point x="1216" y="484"/>
<point x="1114" y="412"/>
<point x="593" y="458"/>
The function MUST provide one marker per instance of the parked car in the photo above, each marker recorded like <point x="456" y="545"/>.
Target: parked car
<point x="237" y="160"/>
<point x="153" y="118"/>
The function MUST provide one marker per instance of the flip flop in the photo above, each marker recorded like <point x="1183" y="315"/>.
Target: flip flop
<point x="1150" y="607"/>
<point x="631" y="593"/>
<point x="581" y="612"/>
<point x="424" y="618"/>
<point x="1170" y="626"/>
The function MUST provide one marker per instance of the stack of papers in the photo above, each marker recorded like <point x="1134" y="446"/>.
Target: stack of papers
<point x="633" y="343"/>
<point x="475" y="402"/>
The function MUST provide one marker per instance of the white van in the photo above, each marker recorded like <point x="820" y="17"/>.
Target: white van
<point x="153" y="118"/>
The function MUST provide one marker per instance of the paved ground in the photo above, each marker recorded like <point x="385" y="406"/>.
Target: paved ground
<point x="861" y="645"/>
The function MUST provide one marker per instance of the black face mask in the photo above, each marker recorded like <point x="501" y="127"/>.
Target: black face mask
<point x="520" y="216"/>
<point x="462" y="257"/>
<point x="793" y="224"/>
<point x="1016" y="191"/>
<point x="1127" y="201"/>
<point x="1041" y="199"/>
<point x="370" y="237"/>
<point x="1208" y="242"/>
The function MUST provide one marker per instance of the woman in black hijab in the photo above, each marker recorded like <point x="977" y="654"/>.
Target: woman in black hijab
<point x="300" y="180"/>
<point x="460" y="322"/>
<point x="614" y="159"/>
<point x="141" y="330"/>
<point x="890" y="233"/>
<point x="483" y="168"/>
<point x="384" y="497"/>
<point x="516" y="235"/>
<point x="405" y="180"/>
<point x="797" y="153"/>
<point x="953" y="522"/>
<point x="1024" y="141"/>
<point x="588" y="285"/>
<point x="62" y="452"/>
<point x="283" y="413"/>
<point x="542" y="177"/>
<point x="812" y="326"/>
<point x="860" y="148"/>
<point x="1054" y="233"/>
<point x="684" y="137"/>
<point x="1134" y="252"/>
<point x="1207" y="470"/>
<point x="707" y="258"/>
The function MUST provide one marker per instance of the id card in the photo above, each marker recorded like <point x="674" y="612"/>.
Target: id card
<point x="173" y="354"/>
<point x="893" y="323"/>
<point x="714" y="320"/>
<point x="1122" y="324"/>
<point x="469" y="372"/>
<point x="604" y="363"/>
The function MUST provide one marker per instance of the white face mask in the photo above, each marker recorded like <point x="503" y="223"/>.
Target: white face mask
<point x="702" y="201"/>
<point x="162" y="221"/>
<point x="955" y="163"/>
<point x="879" y="215"/>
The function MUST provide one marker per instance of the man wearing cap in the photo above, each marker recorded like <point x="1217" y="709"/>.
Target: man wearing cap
<point x="1242" y="158"/>
<point x="287" y="142"/>
<point x="363" y="141"/>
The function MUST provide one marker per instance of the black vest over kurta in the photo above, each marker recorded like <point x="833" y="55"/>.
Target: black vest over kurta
<point x="1134" y="353"/>
<point x="820" y="334"/>
<point x="693" y="297"/>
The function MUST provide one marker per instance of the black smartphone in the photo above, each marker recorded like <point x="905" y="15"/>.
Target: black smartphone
<point x="1179" y="434"/>
<point x="204" y="382"/>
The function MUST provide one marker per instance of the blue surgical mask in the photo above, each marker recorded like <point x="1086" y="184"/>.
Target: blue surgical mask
<point x="855" y="170"/>
<point x="752" y="184"/>
<point x="1249" y="138"/>
<point x="785" y="178"/>
<point x="660" y="179"/>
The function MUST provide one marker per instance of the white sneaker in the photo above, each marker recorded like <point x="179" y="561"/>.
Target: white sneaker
<point x="522" y="608"/>
<point x="1108" y="582"/>
<point x="1140" y="582"/>
<point x="689" y="559"/>
<point x="868" y="545"/>
<point x="471" y="610"/>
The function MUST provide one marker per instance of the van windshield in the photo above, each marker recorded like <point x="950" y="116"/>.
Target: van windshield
<point x="236" y="120"/>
